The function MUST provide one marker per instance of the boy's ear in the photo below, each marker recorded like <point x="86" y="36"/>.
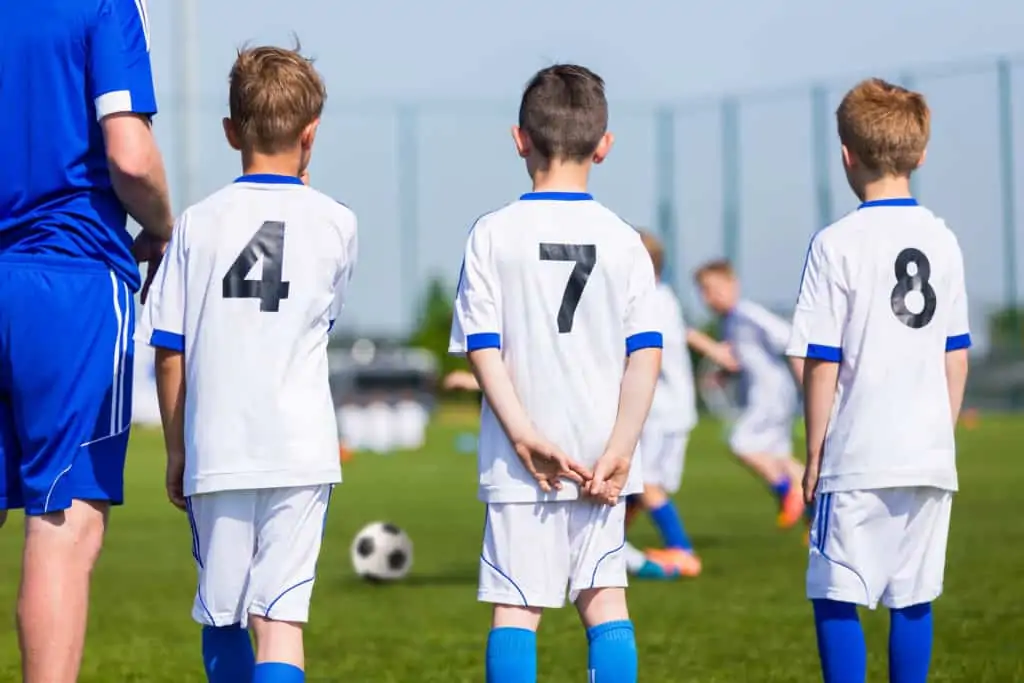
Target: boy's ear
<point x="924" y="156"/>
<point x="603" y="147"/>
<point x="522" y="140"/>
<point x="234" y="139"/>
<point x="309" y="134"/>
<point x="849" y="160"/>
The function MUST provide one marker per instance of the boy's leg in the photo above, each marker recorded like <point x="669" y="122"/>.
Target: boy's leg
<point x="841" y="647"/>
<point x="223" y="536"/>
<point x="662" y="458"/>
<point x="524" y="567"/>
<point x="65" y="384"/>
<point x="760" y="439"/>
<point x="638" y="564"/>
<point x="910" y="643"/>
<point x="290" y="525"/>
<point x="598" y="583"/>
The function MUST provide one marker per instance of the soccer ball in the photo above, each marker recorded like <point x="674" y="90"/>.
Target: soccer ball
<point x="382" y="552"/>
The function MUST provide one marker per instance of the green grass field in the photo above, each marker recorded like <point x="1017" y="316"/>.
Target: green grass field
<point x="744" y="620"/>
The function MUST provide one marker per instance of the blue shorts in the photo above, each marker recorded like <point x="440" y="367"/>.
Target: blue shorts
<point x="66" y="356"/>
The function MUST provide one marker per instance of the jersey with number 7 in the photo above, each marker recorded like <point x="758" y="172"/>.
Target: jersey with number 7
<point x="883" y="295"/>
<point x="566" y="290"/>
<point x="252" y="281"/>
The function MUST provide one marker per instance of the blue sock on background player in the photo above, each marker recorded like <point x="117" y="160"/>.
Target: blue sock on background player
<point x="670" y="526"/>
<point x="511" y="656"/>
<point x="781" y="488"/>
<point x="910" y="643"/>
<point x="227" y="654"/>
<point x="613" y="657"/>
<point x="278" y="672"/>
<point x="841" y="646"/>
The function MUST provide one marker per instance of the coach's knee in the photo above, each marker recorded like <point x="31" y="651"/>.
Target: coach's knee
<point x="75" y="534"/>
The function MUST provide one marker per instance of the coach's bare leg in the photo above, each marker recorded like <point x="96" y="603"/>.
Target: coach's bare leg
<point x="278" y="641"/>
<point x="53" y="604"/>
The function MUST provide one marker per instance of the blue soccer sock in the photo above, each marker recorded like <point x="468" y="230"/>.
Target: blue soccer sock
<point x="278" y="672"/>
<point x="670" y="525"/>
<point x="841" y="647"/>
<point x="227" y="654"/>
<point x="512" y="656"/>
<point x="781" y="488"/>
<point x="910" y="643"/>
<point x="613" y="657"/>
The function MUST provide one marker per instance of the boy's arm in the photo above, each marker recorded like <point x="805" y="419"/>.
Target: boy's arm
<point x="819" y="382"/>
<point x="719" y="352"/>
<point x="956" y="380"/>
<point x="958" y="340"/>
<point x="170" y="389"/>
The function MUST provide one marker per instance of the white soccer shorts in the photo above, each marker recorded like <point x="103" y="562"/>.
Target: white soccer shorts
<point x="533" y="552"/>
<point x="663" y="456"/>
<point x="879" y="545"/>
<point x="762" y="432"/>
<point x="256" y="552"/>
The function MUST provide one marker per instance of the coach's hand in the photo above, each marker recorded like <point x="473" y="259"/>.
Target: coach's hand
<point x="149" y="250"/>
<point x="547" y="464"/>
<point x="176" y="480"/>
<point x="610" y="475"/>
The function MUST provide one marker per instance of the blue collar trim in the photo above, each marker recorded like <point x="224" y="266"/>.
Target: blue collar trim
<point x="900" y="201"/>
<point x="557" y="196"/>
<point x="269" y="179"/>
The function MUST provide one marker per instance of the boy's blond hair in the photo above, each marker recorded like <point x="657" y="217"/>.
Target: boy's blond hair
<point x="719" y="266"/>
<point x="655" y="249"/>
<point x="275" y="93"/>
<point x="885" y="126"/>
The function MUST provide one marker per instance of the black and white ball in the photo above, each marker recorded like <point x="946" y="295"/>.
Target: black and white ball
<point x="382" y="552"/>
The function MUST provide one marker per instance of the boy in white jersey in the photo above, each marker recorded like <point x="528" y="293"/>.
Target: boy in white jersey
<point x="253" y="279"/>
<point x="556" y="313"/>
<point x="762" y="436"/>
<point x="882" y="323"/>
<point x="666" y="433"/>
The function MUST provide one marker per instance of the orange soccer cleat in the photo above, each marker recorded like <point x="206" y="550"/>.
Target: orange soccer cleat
<point x="792" y="508"/>
<point x="345" y="454"/>
<point x="685" y="562"/>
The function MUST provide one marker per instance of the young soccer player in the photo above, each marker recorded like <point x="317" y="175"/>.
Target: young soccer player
<point x="666" y="433"/>
<point x="556" y="310"/>
<point x="254" y="277"/>
<point x="762" y="437"/>
<point x="882" y="323"/>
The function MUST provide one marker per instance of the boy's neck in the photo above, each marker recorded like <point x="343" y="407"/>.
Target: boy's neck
<point x="561" y="176"/>
<point x="887" y="187"/>
<point x="287" y="163"/>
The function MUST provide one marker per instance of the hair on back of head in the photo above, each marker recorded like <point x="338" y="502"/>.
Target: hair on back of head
<point x="564" y="112"/>
<point x="718" y="266"/>
<point x="885" y="126"/>
<point x="274" y="94"/>
<point x="654" y="248"/>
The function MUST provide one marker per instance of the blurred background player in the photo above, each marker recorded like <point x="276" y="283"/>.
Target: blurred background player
<point x="242" y="373"/>
<point x="882" y="323"/>
<point x="555" y="291"/>
<point x="76" y="91"/>
<point x="762" y="436"/>
<point x="666" y="433"/>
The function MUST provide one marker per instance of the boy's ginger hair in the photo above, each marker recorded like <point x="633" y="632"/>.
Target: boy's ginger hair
<point x="275" y="93"/>
<point x="654" y="247"/>
<point x="716" y="267"/>
<point x="885" y="126"/>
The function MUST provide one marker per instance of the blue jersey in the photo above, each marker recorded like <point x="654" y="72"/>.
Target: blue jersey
<point x="63" y="67"/>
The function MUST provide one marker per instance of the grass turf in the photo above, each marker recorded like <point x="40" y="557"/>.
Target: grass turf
<point x="745" y="619"/>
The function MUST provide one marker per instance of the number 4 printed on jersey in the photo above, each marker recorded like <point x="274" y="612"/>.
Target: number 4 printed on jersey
<point x="270" y="289"/>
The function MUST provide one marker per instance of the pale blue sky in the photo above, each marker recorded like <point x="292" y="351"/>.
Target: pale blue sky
<point x="467" y="60"/>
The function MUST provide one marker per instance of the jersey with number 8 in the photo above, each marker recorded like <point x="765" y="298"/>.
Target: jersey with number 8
<point x="883" y="294"/>
<point x="252" y="281"/>
<point x="566" y="290"/>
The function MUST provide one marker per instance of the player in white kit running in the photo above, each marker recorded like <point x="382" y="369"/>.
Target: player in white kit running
<point x="762" y="436"/>
<point x="882" y="323"/>
<point x="556" y="313"/>
<point x="253" y="279"/>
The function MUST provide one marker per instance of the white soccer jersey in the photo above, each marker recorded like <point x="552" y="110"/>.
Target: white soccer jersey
<point x="251" y="283"/>
<point x="758" y="339"/>
<point x="883" y="295"/>
<point x="675" y="403"/>
<point x="566" y="290"/>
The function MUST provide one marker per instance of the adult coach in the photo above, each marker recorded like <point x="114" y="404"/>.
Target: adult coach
<point x="77" y="151"/>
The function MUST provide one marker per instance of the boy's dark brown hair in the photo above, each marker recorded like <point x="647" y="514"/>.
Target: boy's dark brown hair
<point x="716" y="267"/>
<point x="655" y="249"/>
<point x="564" y="112"/>
<point x="885" y="126"/>
<point x="274" y="94"/>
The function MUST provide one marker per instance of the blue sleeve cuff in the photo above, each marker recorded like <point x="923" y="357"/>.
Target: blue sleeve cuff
<point x="168" y="340"/>
<point x="483" y="340"/>
<point x="957" y="342"/>
<point x="832" y="354"/>
<point x="643" y="340"/>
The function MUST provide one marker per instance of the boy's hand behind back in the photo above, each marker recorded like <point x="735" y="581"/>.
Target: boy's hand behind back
<point x="547" y="464"/>
<point x="610" y="476"/>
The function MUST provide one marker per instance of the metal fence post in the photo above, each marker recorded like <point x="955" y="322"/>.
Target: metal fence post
<point x="821" y="155"/>
<point x="731" y="180"/>
<point x="910" y="83"/>
<point x="407" y="150"/>
<point x="1007" y="189"/>
<point x="665" y="182"/>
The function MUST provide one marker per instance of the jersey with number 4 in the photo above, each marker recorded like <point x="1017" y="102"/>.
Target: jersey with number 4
<point x="252" y="281"/>
<point x="565" y="289"/>
<point x="883" y="295"/>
